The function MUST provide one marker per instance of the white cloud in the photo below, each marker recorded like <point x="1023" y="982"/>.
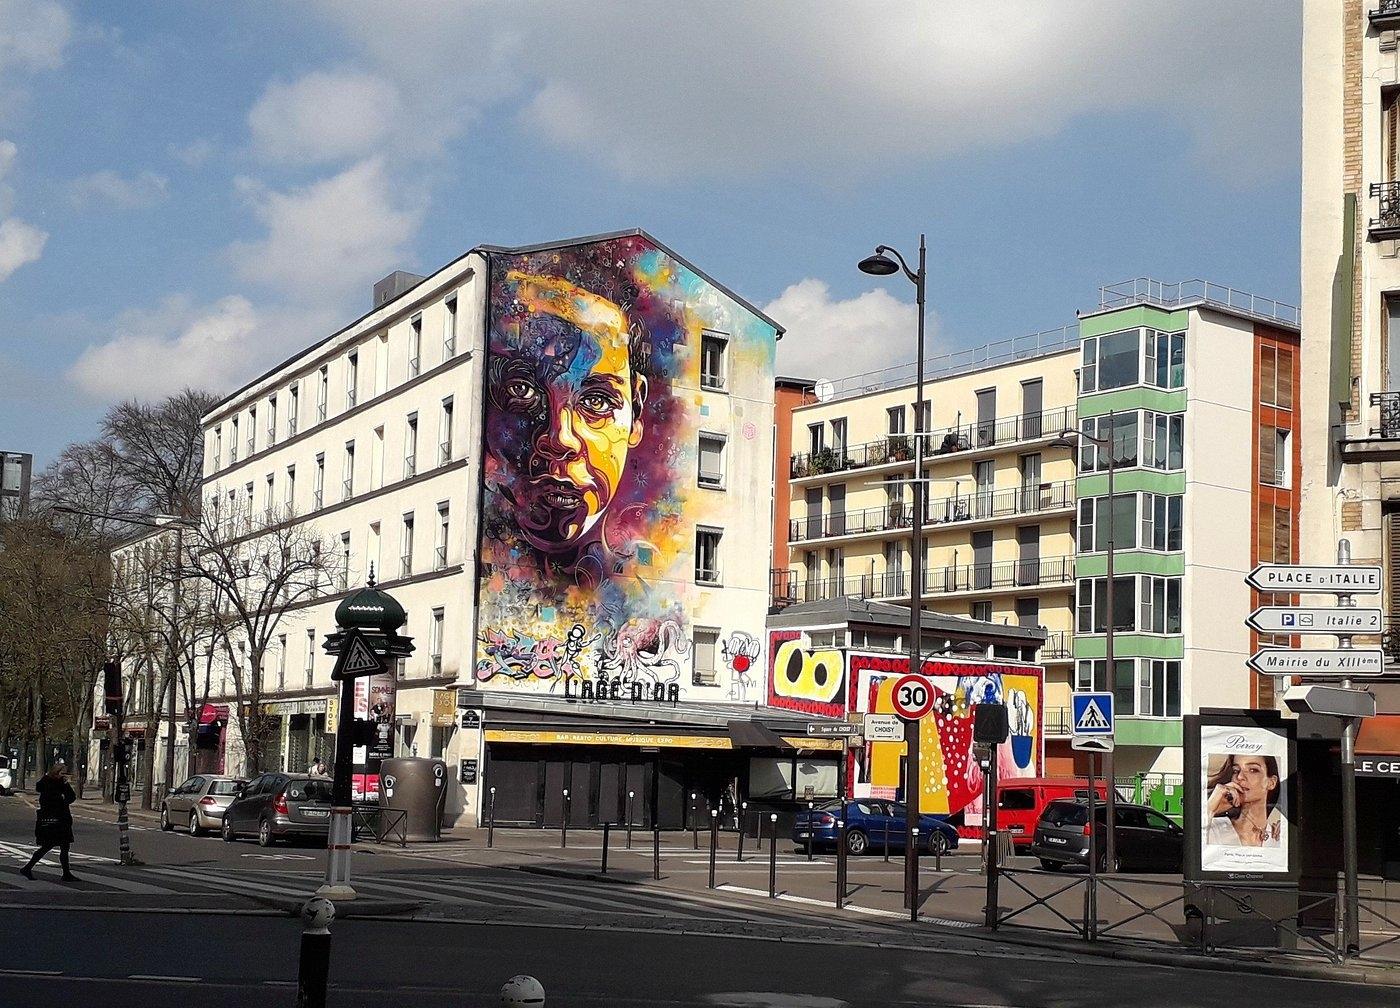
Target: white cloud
<point x="831" y="87"/>
<point x="825" y="335"/>
<point x="107" y="188"/>
<point x="194" y="153"/>
<point x="33" y="34"/>
<point x="20" y="243"/>
<point x="324" y="117"/>
<point x="330" y="239"/>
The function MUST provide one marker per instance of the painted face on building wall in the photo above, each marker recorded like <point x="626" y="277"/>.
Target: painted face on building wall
<point x="566" y="408"/>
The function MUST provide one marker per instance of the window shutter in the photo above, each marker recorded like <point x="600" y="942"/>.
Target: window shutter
<point x="1268" y="454"/>
<point x="1285" y="379"/>
<point x="1283" y="535"/>
<point x="1268" y="375"/>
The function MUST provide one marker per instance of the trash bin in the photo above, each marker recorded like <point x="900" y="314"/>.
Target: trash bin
<point x="419" y="788"/>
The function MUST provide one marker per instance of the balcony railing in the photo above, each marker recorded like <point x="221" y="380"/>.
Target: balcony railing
<point x="1385" y="14"/>
<point x="444" y="453"/>
<point x="945" y="441"/>
<point x="1059" y="722"/>
<point x="1389" y="403"/>
<point x="782" y="583"/>
<point x="1386" y="223"/>
<point x="440" y="557"/>
<point x="410" y="466"/>
<point x="977" y="506"/>
<point x="1014" y="574"/>
<point x="1058" y="646"/>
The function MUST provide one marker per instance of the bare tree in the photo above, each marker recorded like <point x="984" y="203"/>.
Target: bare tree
<point x="158" y="451"/>
<point x="260" y="571"/>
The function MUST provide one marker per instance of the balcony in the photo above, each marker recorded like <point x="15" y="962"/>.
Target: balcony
<point x="1389" y="403"/>
<point x="1386" y="224"/>
<point x="1058" y="647"/>
<point x="963" y="579"/>
<point x="1375" y="444"/>
<point x="980" y="506"/>
<point x="1385" y="15"/>
<point x="899" y="448"/>
<point x="782" y="583"/>
<point x="1059" y="722"/>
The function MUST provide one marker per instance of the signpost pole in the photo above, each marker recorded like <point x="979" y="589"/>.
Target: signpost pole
<point x="1111" y="671"/>
<point x="1091" y="903"/>
<point x="1351" y="928"/>
<point x="337" y="884"/>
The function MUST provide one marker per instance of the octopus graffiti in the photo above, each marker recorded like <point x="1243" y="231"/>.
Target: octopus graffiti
<point x="590" y="504"/>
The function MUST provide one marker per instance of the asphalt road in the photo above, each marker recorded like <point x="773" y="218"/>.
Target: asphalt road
<point x="153" y="961"/>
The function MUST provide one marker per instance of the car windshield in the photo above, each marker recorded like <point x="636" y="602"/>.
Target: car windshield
<point x="309" y="790"/>
<point x="1065" y="814"/>
<point x="223" y="787"/>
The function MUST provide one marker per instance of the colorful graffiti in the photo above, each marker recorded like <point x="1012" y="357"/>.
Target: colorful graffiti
<point x="952" y="780"/>
<point x="805" y="680"/>
<point x="740" y="651"/>
<point x="592" y="420"/>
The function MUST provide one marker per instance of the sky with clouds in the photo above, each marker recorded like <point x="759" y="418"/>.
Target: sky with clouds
<point x="191" y="192"/>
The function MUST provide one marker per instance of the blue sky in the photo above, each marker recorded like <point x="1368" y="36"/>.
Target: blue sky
<point x="189" y="192"/>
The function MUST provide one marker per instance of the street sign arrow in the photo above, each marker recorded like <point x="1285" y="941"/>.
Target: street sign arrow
<point x="1333" y="700"/>
<point x="831" y="729"/>
<point x="1296" y="620"/>
<point x="1336" y="663"/>
<point x="1092" y="743"/>
<point x="1346" y="579"/>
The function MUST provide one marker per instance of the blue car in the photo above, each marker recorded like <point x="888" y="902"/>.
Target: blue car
<point x="867" y="820"/>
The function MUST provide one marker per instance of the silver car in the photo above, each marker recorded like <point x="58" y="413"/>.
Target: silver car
<point x="198" y="804"/>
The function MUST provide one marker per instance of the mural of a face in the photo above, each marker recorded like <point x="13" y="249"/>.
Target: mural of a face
<point x="567" y="405"/>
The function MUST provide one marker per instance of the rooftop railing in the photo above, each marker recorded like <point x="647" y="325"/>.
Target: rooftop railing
<point x="1145" y="290"/>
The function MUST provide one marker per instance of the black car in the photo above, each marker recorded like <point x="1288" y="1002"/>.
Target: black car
<point x="1146" y="840"/>
<point x="278" y="806"/>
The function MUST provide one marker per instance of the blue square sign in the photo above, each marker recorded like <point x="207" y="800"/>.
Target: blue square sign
<point x="1092" y="713"/>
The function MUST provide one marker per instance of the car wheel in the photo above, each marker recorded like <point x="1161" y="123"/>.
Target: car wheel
<point x="857" y="842"/>
<point x="938" y="843"/>
<point x="194" y="825"/>
<point x="1049" y="865"/>
<point x="264" y="834"/>
<point x="164" y="819"/>
<point x="1117" y="862"/>
<point x="226" y="831"/>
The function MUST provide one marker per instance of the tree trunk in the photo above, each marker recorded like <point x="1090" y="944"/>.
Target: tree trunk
<point x="79" y="757"/>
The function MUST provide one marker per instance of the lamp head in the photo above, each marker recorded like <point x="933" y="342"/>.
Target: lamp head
<point x="1067" y="439"/>
<point x="879" y="264"/>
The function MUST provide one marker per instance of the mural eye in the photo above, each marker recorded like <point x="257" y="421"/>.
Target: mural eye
<point x="521" y="394"/>
<point x="598" y="404"/>
<point x="792" y="671"/>
<point x="819" y="674"/>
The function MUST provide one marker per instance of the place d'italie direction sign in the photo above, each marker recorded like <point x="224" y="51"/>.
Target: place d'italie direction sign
<point x="1344" y="579"/>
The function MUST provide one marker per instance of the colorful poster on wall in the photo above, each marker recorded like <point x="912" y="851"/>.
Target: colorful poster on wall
<point x="594" y="544"/>
<point x="952" y="780"/>
<point x="805" y="679"/>
<point x="374" y="702"/>
<point x="1244" y="803"/>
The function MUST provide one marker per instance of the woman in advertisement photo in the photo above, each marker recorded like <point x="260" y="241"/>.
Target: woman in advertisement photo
<point x="1245" y="825"/>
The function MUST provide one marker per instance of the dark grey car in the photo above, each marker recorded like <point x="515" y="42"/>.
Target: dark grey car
<point x="1146" y="840"/>
<point x="278" y="806"/>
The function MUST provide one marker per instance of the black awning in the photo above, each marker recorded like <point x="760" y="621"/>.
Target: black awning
<point x="752" y="735"/>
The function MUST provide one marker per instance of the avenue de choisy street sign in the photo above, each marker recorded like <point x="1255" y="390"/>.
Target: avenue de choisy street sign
<point x="1343" y="579"/>
<point x="1308" y="620"/>
<point x="1331" y="663"/>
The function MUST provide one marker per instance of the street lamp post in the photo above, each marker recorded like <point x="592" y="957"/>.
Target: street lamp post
<point x="1069" y="439"/>
<point x="880" y="264"/>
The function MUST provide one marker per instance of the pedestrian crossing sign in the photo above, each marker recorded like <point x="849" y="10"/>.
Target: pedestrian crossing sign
<point x="357" y="658"/>
<point x="1093" y="713"/>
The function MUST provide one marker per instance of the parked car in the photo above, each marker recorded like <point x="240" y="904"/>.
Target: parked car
<point x="278" y="806"/>
<point x="1146" y="840"/>
<point x="198" y="804"/>
<point x="7" y="779"/>
<point x="867" y="820"/>
<point x="1021" y="800"/>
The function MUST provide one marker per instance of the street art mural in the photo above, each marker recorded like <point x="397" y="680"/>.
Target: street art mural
<point x="590" y="504"/>
<point x="802" y="679"/>
<point x="952" y="781"/>
<point x="741" y="651"/>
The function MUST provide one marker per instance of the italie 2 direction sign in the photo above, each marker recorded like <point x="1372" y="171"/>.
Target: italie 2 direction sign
<point x="1301" y="620"/>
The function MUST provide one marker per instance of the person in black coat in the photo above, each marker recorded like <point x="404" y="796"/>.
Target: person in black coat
<point x="53" y="825"/>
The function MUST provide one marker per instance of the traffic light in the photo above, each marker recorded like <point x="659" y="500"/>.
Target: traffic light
<point x="112" y="688"/>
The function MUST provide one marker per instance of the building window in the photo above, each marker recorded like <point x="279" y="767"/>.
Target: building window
<point x="410" y="447"/>
<point x="1166" y="359"/>
<point x="323" y="390"/>
<point x="252" y="430"/>
<point x="449" y="330"/>
<point x="838" y="436"/>
<point x="415" y="345"/>
<point x="281" y="661"/>
<point x="376" y="459"/>
<point x="981" y="611"/>
<point x="310" y="656"/>
<point x="1122" y="429"/>
<point x="1159" y="688"/>
<point x="372" y="551"/>
<point x="711" y="461"/>
<point x="233" y="440"/>
<point x="1093" y="604"/>
<point x="1162" y="437"/>
<point x="440" y="546"/>
<point x="704" y="651"/>
<point x="1275" y="534"/>
<point x="1111" y="361"/>
<point x="347" y="484"/>
<point x="293" y="407"/>
<point x="289" y="493"/>
<point x="435" y="640"/>
<point x="1161" y="522"/>
<point x="1094" y="522"/>
<point x="445" y="433"/>
<point x="707" y="556"/>
<point x="271" y="420"/>
<point x="894" y="419"/>
<point x="352" y="378"/>
<point x="1161" y="606"/>
<point x="713" y="350"/>
<point x="218" y="444"/>
<point x="318" y="487"/>
<point x="406" y="546"/>
<point x="1028" y="612"/>
<point x="1092" y="674"/>
<point x="344" y="561"/>
<point x="1275" y="459"/>
<point x="1276" y="377"/>
<point x="816" y="437"/>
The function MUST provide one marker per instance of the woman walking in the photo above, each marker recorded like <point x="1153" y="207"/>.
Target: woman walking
<point x="53" y="826"/>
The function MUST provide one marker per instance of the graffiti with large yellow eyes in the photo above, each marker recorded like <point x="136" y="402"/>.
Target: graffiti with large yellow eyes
<point x="813" y="676"/>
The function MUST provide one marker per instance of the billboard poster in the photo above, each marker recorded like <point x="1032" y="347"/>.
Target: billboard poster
<point x="594" y="498"/>
<point x="374" y="702"/>
<point x="1239" y="808"/>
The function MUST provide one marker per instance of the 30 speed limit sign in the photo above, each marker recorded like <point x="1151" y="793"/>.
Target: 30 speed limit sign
<point x="912" y="696"/>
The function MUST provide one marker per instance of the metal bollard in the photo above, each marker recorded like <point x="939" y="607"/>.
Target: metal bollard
<point x="315" y="963"/>
<point x="522" y="990"/>
<point x="630" y="796"/>
<point x="840" y="862"/>
<point x="694" y="823"/>
<point x="773" y="858"/>
<point x="811" y="830"/>
<point x="656" y="853"/>
<point x="914" y="901"/>
<point x="491" y="821"/>
<point x="743" y="819"/>
<point x="607" y="828"/>
<point x="887" y="841"/>
<point x="714" y="843"/>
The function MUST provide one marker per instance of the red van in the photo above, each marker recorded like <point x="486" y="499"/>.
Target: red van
<point x="1020" y="800"/>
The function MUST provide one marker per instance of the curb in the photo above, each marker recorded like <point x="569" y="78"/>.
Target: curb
<point x="348" y="910"/>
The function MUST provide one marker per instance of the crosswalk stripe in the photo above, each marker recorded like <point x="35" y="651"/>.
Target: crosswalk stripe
<point x="239" y="886"/>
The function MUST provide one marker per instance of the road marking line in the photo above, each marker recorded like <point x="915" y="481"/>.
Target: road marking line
<point x="164" y="979"/>
<point x="31" y="972"/>
<point x="239" y="887"/>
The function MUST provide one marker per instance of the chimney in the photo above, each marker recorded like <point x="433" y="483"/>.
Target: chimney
<point x="393" y="285"/>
